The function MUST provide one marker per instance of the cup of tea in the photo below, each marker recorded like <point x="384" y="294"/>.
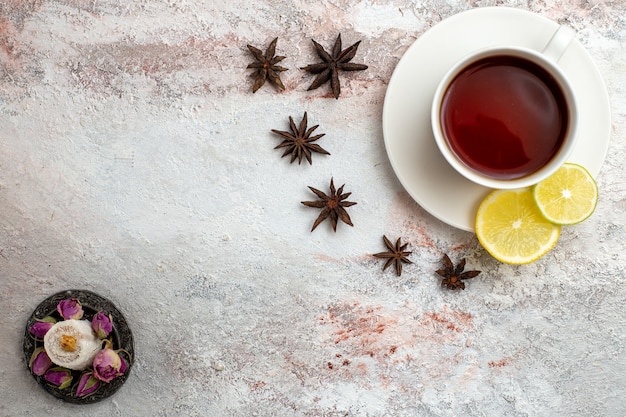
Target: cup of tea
<point x="506" y="116"/>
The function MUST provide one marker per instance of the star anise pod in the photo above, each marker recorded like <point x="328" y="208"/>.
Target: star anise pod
<point x="396" y="254"/>
<point x="453" y="276"/>
<point x="332" y="206"/>
<point x="332" y="64"/>
<point x="299" y="141"/>
<point x="266" y="67"/>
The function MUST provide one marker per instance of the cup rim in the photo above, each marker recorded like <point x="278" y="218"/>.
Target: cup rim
<point x="546" y="170"/>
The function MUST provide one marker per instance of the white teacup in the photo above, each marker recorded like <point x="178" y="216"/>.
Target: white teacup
<point x="506" y="116"/>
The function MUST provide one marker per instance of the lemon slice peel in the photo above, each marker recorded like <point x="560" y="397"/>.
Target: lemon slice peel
<point x="511" y="228"/>
<point x="567" y="197"/>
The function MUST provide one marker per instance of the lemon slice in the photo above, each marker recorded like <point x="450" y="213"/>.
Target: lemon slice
<point x="512" y="229"/>
<point x="568" y="196"/>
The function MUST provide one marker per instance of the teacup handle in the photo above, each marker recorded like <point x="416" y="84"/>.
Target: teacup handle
<point x="558" y="43"/>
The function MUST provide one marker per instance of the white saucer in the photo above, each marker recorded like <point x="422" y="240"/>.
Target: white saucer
<point x="409" y="141"/>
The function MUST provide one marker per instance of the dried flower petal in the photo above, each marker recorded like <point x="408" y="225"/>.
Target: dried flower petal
<point x="123" y="365"/>
<point x="70" y="309"/>
<point x="87" y="385"/>
<point x="41" y="327"/>
<point x="108" y="365"/>
<point x="60" y="377"/>
<point x="102" y="324"/>
<point x="39" y="362"/>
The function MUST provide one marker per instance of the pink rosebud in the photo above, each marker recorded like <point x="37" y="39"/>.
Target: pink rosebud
<point x="108" y="365"/>
<point x="41" y="327"/>
<point x="123" y="366"/>
<point x="87" y="385"/>
<point x="70" y="309"/>
<point x="39" y="362"/>
<point x="102" y="324"/>
<point x="60" y="377"/>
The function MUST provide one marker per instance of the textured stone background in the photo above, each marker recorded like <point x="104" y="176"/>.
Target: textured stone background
<point x="136" y="163"/>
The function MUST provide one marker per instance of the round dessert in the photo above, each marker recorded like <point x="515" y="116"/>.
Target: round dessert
<point x="72" y="344"/>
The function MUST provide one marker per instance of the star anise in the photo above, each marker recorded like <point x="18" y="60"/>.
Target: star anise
<point x="332" y="206"/>
<point x="396" y="254"/>
<point x="453" y="276"/>
<point x="299" y="141"/>
<point x="266" y="67"/>
<point x="329" y="68"/>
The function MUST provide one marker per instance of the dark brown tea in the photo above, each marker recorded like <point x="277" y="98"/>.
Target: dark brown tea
<point x="504" y="117"/>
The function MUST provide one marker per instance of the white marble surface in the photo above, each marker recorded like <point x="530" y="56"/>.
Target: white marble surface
<point x="135" y="162"/>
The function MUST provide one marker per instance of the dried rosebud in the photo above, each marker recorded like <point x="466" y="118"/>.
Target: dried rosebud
<point x="70" y="309"/>
<point x="108" y="365"/>
<point x="87" y="385"/>
<point x="39" y="362"/>
<point x="102" y="324"/>
<point x="60" y="377"/>
<point x="123" y="366"/>
<point x="41" y="327"/>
